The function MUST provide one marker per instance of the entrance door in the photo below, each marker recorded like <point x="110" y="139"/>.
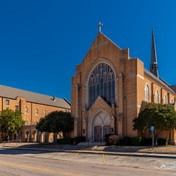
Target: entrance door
<point x="97" y="133"/>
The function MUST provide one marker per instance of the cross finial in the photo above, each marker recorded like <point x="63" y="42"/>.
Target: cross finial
<point x="99" y="26"/>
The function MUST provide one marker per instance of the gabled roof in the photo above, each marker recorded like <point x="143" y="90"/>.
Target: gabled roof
<point x="107" y="38"/>
<point x="13" y="93"/>
<point x="173" y="87"/>
<point x="159" y="81"/>
<point x="110" y="40"/>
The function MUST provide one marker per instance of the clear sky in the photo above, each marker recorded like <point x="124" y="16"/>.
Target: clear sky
<point x="42" y="41"/>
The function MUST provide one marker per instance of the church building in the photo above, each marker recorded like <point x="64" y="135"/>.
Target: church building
<point x="110" y="88"/>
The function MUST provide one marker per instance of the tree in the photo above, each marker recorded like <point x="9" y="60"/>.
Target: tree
<point x="10" y="121"/>
<point x="55" y="122"/>
<point x="161" y="116"/>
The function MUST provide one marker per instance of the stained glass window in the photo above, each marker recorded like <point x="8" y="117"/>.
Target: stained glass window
<point x="102" y="83"/>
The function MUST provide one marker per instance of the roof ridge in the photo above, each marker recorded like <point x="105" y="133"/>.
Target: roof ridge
<point x="110" y="40"/>
<point x="28" y="91"/>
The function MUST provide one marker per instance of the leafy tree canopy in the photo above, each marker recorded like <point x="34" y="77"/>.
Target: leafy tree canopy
<point x="10" y="121"/>
<point x="55" y="122"/>
<point x="161" y="116"/>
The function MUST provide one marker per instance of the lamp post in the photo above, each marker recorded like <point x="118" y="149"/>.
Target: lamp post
<point x="152" y="128"/>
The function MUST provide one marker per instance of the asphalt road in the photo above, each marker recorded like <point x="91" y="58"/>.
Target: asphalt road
<point x="27" y="163"/>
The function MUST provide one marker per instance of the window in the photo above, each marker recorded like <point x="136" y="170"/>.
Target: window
<point x="157" y="97"/>
<point x="147" y="94"/>
<point x="165" y="99"/>
<point x="172" y="101"/>
<point x="26" y="122"/>
<point x="16" y="107"/>
<point x="26" y="110"/>
<point x="7" y="102"/>
<point x="44" y="112"/>
<point x="36" y="111"/>
<point x="102" y="83"/>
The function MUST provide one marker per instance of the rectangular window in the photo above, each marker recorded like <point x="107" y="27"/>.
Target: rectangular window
<point x="7" y="102"/>
<point x="36" y="111"/>
<point x="26" y="110"/>
<point x="16" y="108"/>
<point x="44" y="112"/>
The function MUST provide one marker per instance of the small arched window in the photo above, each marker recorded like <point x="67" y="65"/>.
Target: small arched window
<point x="26" y="110"/>
<point x="165" y="99"/>
<point x="147" y="93"/>
<point x="157" y="96"/>
<point x="36" y="111"/>
<point x="44" y="112"/>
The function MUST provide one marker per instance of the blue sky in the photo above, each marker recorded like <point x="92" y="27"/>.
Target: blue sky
<point x="42" y="41"/>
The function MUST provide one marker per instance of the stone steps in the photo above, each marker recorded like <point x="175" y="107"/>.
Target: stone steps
<point x="91" y="143"/>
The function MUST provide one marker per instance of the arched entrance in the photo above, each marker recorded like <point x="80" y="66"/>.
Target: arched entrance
<point x="27" y="136"/>
<point x="34" y="136"/>
<point x="100" y="126"/>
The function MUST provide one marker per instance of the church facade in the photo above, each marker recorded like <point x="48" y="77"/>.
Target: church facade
<point x="110" y="88"/>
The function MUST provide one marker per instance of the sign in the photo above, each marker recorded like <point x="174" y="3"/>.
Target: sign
<point x="152" y="128"/>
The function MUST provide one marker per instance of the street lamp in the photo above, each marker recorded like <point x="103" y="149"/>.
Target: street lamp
<point x="152" y="128"/>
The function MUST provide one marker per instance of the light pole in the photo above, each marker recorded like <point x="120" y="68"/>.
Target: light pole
<point x="152" y="129"/>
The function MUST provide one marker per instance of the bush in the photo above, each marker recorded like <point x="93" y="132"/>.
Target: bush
<point x="136" y="141"/>
<point x="65" y="141"/>
<point x="125" y="141"/>
<point x="162" y="141"/>
<point x="147" y="141"/>
<point x="111" y="139"/>
<point x="79" y="139"/>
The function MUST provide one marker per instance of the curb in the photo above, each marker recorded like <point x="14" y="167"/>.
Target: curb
<point x="132" y="154"/>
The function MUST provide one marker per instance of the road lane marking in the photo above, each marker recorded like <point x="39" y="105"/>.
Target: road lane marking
<point x="104" y="160"/>
<point x="38" y="168"/>
<point x="75" y="156"/>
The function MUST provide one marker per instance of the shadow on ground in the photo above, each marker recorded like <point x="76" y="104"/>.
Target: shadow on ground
<point x="27" y="148"/>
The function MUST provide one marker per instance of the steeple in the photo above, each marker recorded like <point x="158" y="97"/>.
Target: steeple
<point x="154" y="63"/>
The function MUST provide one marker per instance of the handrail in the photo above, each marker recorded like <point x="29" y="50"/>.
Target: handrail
<point x="90" y="139"/>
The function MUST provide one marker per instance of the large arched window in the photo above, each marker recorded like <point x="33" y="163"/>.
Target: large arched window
<point x="157" y="96"/>
<point x="102" y="83"/>
<point x="147" y="93"/>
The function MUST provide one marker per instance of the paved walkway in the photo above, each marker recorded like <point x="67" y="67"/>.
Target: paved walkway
<point x="143" y="151"/>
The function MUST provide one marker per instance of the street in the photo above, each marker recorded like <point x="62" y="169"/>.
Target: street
<point x="26" y="162"/>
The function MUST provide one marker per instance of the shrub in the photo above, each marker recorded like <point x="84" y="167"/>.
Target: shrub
<point x="79" y="139"/>
<point x="125" y="141"/>
<point x="65" y="141"/>
<point x="136" y="141"/>
<point x="111" y="139"/>
<point x="147" y="141"/>
<point x="162" y="141"/>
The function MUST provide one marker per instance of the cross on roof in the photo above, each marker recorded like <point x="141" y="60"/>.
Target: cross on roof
<point x="99" y="26"/>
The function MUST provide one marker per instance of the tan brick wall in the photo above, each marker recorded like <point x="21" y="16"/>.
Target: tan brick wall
<point x="31" y="117"/>
<point x="130" y="86"/>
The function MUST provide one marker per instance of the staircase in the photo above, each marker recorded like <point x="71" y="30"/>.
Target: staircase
<point x="91" y="143"/>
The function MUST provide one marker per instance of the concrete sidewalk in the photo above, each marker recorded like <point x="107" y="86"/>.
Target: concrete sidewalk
<point x="138" y="151"/>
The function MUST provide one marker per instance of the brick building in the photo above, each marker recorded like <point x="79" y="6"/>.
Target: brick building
<point x="33" y="106"/>
<point x="110" y="88"/>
